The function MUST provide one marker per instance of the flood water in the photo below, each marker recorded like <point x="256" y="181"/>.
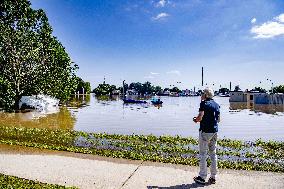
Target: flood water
<point x="241" y="121"/>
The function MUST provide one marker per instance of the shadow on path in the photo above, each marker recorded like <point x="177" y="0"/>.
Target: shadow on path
<point x="182" y="186"/>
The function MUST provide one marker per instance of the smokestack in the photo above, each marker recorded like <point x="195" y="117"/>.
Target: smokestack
<point x="202" y="76"/>
<point x="230" y="86"/>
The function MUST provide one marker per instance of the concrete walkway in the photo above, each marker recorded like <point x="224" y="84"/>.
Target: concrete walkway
<point x="88" y="171"/>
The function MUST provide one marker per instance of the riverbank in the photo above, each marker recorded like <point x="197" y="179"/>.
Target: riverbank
<point x="232" y="154"/>
<point x="91" y="171"/>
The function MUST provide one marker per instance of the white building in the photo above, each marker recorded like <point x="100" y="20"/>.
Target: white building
<point x="256" y="97"/>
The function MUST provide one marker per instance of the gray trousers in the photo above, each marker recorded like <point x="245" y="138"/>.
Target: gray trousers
<point x="207" y="141"/>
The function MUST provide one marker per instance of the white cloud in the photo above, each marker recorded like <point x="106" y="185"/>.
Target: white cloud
<point x="269" y="29"/>
<point x="161" y="3"/>
<point x="149" y="77"/>
<point x="153" y="73"/>
<point x="176" y="72"/>
<point x="161" y="16"/>
<point x="253" y="20"/>
<point x="280" y="18"/>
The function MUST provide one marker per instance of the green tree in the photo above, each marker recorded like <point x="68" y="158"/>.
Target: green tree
<point x="104" y="89"/>
<point x="32" y="60"/>
<point x="166" y="89"/>
<point x="237" y="88"/>
<point x="83" y="86"/>
<point x="278" y="89"/>
<point x="147" y="88"/>
<point x="175" y="89"/>
<point x="158" y="89"/>
<point x="259" y="89"/>
<point x="136" y="86"/>
<point x="224" y="90"/>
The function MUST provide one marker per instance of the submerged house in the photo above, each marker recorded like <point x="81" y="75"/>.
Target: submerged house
<point x="256" y="97"/>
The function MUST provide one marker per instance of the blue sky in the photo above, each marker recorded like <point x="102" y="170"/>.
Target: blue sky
<point x="166" y="42"/>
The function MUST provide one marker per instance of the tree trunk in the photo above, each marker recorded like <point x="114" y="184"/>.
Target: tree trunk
<point x="17" y="102"/>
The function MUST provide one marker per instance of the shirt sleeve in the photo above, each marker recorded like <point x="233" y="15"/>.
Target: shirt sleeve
<point x="202" y="106"/>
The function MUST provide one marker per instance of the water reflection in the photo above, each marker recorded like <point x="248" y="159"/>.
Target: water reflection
<point x="265" y="108"/>
<point x="106" y="98"/>
<point x="110" y="115"/>
<point x="79" y="101"/>
<point x="61" y="120"/>
<point x="158" y="105"/>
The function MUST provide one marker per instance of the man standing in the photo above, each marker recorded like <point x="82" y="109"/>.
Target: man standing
<point x="209" y="116"/>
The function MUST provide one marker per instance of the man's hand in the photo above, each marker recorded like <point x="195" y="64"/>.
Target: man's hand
<point x="199" y="117"/>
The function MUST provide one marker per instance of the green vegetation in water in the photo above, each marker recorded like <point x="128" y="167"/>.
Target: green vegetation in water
<point x="232" y="154"/>
<point x="15" y="182"/>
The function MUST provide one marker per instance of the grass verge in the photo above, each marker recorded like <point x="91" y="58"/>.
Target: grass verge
<point x="10" y="182"/>
<point x="232" y="154"/>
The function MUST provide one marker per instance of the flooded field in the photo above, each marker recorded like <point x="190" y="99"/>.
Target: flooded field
<point x="241" y="121"/>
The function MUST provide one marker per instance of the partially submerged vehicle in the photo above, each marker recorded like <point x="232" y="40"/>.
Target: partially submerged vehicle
<point x="38" y="102"/>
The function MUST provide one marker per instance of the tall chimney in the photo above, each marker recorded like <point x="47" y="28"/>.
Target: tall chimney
<point x="202" y="76"/>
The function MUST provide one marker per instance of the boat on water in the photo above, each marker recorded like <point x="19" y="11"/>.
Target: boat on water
<point x="134" y="101"/>
<point x="156" y="101"/>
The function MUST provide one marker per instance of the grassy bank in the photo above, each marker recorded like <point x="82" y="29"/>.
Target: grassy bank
<point x="232" y="154"/>
<point x="15" y="182"/>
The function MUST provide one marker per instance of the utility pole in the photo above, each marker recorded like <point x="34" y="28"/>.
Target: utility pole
<point x="202" y="76"/>
<point x="123" y="88"/>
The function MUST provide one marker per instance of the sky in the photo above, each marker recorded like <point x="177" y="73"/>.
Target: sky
<point x="167" y="42"/>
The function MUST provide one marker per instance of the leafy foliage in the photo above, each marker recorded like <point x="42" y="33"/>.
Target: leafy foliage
<point x="259" y="89"/>
<point x="278" y="89"/>
<point x="32" y="61"/>
<point x="6" y="94"/>
<point x="175" y="89"/>
<point x="15" y="182"/>
<point x="237" y="88"/>
<point x="83" y="87"/>
<point x="104" y="89"/>
<point x="224" y="90"/>
<point x="142" y="89"/>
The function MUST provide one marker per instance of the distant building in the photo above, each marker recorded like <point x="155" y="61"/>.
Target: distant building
<point x="256" y="97"/>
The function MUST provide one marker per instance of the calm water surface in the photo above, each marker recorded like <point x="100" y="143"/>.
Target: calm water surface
<point x="238" y="120"/>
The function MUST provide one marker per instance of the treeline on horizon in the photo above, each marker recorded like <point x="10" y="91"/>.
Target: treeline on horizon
<point x="140" y="88"/>
<point x="148" y="88"/>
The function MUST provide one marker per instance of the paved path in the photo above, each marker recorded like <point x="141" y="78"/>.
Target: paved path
<point x="88" y="171"/>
